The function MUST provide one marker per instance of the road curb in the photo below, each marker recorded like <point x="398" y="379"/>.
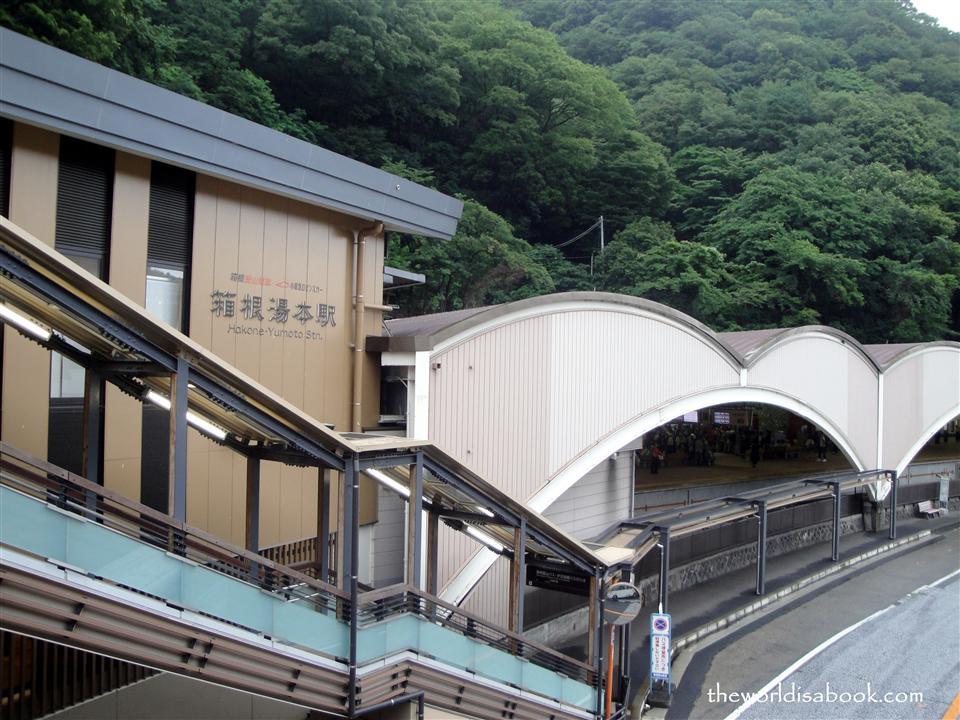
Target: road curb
<point x="732" y="618"/>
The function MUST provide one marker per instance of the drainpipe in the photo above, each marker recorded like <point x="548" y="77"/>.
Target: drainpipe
<point x="359" y="242"/>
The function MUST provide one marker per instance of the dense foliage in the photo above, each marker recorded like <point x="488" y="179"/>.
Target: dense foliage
<point x="757" y="163"/>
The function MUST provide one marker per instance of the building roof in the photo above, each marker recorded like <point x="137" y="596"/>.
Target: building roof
<point x="745" y="347"/>
<point x="49" y="88"/>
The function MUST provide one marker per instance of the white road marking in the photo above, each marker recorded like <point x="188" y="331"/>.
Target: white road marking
<point x="824" y="645"/>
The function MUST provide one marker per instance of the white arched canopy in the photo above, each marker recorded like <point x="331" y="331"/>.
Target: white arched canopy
<point x="534" y="394"/>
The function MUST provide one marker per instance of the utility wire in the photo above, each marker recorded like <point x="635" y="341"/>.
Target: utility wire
<point x="574" y="239"/>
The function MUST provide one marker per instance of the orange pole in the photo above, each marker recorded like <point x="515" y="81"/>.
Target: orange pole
<point x="609" y="696"/>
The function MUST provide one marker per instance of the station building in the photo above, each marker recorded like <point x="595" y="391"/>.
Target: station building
<point x="174" y="256"/>
<point x="187" y="485"/>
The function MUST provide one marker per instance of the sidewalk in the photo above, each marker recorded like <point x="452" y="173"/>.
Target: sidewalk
<point x="708" y="602"/>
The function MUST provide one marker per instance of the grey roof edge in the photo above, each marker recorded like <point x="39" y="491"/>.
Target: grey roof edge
<point x="408" y="343"/>
<point x="53" y="89"/>
<point x="426" y="342"/>
<point x="786" y="334"/>
<point x="914" y="349"/>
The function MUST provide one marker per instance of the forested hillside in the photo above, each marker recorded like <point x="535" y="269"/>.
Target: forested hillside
<point x="757" y="162"/>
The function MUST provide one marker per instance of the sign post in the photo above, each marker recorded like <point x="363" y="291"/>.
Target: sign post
<point x="661" y="628"/>
<point x="621" y="604"/>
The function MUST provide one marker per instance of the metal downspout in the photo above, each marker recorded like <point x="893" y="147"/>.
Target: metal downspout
<point x="360" y="243"/>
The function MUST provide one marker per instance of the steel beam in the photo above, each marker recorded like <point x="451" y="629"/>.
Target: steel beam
<point x="17" y="269"/>
<point x="177" y="504"/>
<point x="388" y="461"/>
<point x="242" y="407"/>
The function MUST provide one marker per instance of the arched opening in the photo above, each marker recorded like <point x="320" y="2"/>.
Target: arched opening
<point x="940" y="442"/>
<point x="733" y="443"/>
<point x="568" y="475"/>
<point x="641" y="425"/>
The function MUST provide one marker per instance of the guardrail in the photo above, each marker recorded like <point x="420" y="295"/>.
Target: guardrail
<point x="73" y="493"/>
<point x="378" y="605"/>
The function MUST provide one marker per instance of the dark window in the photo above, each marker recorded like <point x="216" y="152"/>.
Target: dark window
<point x="169" y="249"/>
<point x="6" y="150"/>
<point x="85" y="200"/>
<point x="84" y="209"/>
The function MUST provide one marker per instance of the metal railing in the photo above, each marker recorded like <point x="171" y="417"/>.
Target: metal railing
<point x="73" y="493"/>
<point x="377" y="605"/>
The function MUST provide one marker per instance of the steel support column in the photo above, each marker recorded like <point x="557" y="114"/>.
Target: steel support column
<point x="252" y="527"/>
<point x="177" y="504"/>
<point x="893" y="505"/>
<point x="597" y="634"/>
<point x="664" y="567"/>
<point x="518" y="577"/>
<point x="323" y="523"/>
<point x="433" y="537"/>
<point x="345" y="535"/>
<point x="92" y="433"/>
<point x="835" y="546"/>
<point x="593" y="621"/>
<point x="415" y="523"/>
<point x="762" y="547"/>
<point x="352" y="483"/>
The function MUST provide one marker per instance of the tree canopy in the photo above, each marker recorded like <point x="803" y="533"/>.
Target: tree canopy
<point x="755" y="164"/>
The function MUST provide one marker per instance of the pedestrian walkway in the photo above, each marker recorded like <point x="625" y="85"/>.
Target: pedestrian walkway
<point x="704" y="603"/>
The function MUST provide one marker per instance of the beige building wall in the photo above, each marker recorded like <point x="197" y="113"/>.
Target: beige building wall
<point x="127" y="273"/>
<point x="246" y="243"/>
<point x="26" y="366"/>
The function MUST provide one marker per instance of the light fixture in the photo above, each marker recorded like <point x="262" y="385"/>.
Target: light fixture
<point x="25" y="324"/>
<point x="388" y="482"/>
<point x="482" y="537"/>
<point x="200" y="423"/>
<point x="483" y="511"/>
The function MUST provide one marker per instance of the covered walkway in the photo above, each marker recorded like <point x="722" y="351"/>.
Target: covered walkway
<point x="87" y="567"/>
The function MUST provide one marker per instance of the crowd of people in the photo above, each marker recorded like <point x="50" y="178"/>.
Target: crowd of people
<point x="698" y="444"/>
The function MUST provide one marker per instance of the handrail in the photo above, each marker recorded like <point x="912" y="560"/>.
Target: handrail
<point x="377" y="605"/>
<point x="76" y="494"/>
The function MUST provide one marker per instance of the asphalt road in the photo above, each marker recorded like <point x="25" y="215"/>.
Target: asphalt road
<point x="911" y="647"/>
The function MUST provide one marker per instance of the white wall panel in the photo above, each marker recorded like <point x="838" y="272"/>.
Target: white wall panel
<point x="825" y="374"/>
<point x="919" y="391"/>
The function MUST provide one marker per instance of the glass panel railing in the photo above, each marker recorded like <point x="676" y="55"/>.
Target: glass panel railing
<point x="402" y="618"/>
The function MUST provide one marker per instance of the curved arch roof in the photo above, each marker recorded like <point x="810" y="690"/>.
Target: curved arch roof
<point x="425" y="332"/>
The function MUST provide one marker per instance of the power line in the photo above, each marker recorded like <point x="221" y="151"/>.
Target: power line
<point x="598" y="223"/>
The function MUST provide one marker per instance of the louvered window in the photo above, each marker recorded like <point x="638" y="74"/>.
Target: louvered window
<point x="85" y="200"/>
<point x="6" y="149"/>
